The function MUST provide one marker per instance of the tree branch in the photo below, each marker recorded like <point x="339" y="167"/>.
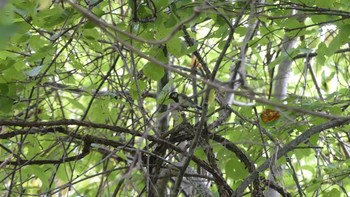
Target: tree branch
<point x="290" y="146"/>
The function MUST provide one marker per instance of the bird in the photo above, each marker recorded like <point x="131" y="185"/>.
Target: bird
<point x="183" y="100"/>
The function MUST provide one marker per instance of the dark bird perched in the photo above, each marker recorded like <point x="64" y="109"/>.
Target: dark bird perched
<point x="183" y="100"/>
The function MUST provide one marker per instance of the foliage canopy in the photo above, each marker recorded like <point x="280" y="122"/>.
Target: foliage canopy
<point x="85" y="108"/>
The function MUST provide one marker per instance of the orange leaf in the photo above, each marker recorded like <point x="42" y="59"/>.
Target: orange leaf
<point x="269" y="115"/>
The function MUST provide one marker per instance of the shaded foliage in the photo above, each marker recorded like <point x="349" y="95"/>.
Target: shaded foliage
<point x="85" y="108"/>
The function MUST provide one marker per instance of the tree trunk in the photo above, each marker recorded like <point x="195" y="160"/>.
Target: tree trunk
<point x="280" y="93"/>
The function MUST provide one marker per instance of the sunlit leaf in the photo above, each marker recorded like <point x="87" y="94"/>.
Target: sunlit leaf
<point x="153" y="71"/>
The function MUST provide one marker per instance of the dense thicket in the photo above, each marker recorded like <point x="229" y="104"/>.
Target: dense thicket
<point x="85" y="108"/>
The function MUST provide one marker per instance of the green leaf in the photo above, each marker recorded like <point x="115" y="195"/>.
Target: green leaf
<point x="161" y="4"/>
<point x="278" y="60"/>
<point x="49" y="18"/>
<point x="341" y="38"/>
<point x="25" y="8"/>
<point x="235" y="169"/>
<point x="4" y="89"/>
<point x="322" y="51"/>
<point x="122" y="155"/>
<point x="344" y="33"/>
<point x="135" y="87"/>
<point x="100" y="111"/>
<point x="324" y="4"/>
<point x="5" y="32"/>
<point x="32" y="149"/>
<point x="302" y="153"/>
<point x="76" y="104"/>
<point x="143" y="11"/>
<point x="319" y="18"/>
<point x="6" y="15"/>
<point x="6" y="104"/>
<point x="334" y="45"/>
<point x="40" y="173"/>
<point x="171" y="21"/>
<point x="246" y="112"/>
<point x="191" y="49"/>
<point x="153" y="71"/>
<point x="314" y="139"/>
<point x="37" y="42"/>
<point x="91" y="34"/>
<point x="291" y="23"/>
<point x="8" y="56"/>
<point x="331" y="193"/>
<point x="199" y="152"/>
<point x="176" y="46"/>
<point x="164" y="93"/>
<point x="12" y="74"/>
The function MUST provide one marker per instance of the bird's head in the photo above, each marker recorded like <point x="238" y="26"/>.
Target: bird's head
<point x="174" y="96"/>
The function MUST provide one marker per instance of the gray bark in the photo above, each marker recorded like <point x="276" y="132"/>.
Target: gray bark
<point x="280" y="92"/>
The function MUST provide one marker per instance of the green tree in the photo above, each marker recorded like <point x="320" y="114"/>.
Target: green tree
<point x="85" y="107"/>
